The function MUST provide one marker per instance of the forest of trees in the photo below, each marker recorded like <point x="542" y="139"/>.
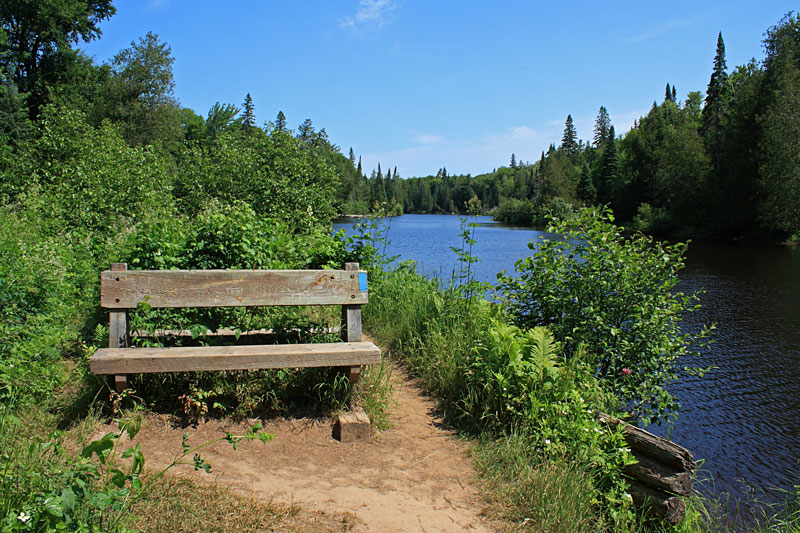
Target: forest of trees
<point x="724" y="165"/>
<point x="727" y="165"/>
<point x="101" y="140"/>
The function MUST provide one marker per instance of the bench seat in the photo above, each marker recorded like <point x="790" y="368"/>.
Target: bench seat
<point x="201" y="358"/>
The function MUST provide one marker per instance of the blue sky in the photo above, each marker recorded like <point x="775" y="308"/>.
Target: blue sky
<point x="421" y="84"/>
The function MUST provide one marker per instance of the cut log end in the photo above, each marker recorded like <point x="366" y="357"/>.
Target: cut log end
<point x="352" y="426"/>
<point x="658" y="503"/>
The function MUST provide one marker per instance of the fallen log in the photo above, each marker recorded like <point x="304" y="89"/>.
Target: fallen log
<point x="659" y="503"/>
<point x="651" y="472"/>
<point x="662" y="450"/>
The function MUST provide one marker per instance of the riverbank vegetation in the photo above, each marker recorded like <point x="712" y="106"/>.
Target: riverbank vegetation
<point x="722" y="165"/>
<point x="101" y="164"/>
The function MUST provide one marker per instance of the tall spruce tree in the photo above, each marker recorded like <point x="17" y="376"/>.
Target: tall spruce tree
<point x="569" y="142"/>
<point x="608" y="171"/>
<point x="513" y="160"/>
<point x="717" y="96"/>
<point x="249" y="115"/>
<point x="586" y="190"/>
<point x="280" y="121"/>
<point x="601" y="125"/>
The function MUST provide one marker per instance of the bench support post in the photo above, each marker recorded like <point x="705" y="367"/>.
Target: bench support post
<point x="351" y="326"/>
<point x="118" y="333"/>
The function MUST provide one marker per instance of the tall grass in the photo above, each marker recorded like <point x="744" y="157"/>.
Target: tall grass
<point x="538" y="447"/>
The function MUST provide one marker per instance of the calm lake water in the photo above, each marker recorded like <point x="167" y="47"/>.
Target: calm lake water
<point x="743" y="418"/>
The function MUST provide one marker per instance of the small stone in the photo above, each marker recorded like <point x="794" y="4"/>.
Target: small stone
<point x="351" y="426"/>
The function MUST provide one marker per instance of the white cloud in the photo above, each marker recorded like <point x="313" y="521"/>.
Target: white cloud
<point x="157" y="5"/>
<point x="473" y="156"/>
<point x="370" y="15"/>
<point x="480" y="155"/>
<point x="668" y="26"/>
<point x="396" y="49"/>
<point x="426" y="138"/>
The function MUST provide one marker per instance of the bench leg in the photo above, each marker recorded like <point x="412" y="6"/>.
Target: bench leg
<point x="353" y="374"/>
<point x="119" y="382"/>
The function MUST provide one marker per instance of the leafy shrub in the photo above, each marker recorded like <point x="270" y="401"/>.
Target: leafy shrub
<point x="493" y="378"/>
<point x="37" y="307"/>
<point x="653" y="220"/>
<point x="617" y="295"/>
<point x="515" y="211"/>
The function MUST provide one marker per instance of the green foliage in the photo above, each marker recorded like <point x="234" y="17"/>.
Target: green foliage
<point x="618" y="296"/>
<point x="39" y="35"/>
<point x="274" y="174"/>
<point x="139" y="94"/>
<point x="494" y="379"/>
<point x="541" y="494"/>
<point x="779" y="172"/>
<point x="569" y="141"/>
<point x="92" y="178"/>
<point x="653" y="220"/>
<point x="516" y="212"/>
<point x="586" y="189"/>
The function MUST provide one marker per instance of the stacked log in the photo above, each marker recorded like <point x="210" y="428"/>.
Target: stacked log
<point x="661" y="475"/>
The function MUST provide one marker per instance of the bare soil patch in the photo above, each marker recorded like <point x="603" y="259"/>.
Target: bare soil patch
<point x="415" y="476"/>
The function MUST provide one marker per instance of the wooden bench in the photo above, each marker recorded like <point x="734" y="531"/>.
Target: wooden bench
<point x="122" y="290"/>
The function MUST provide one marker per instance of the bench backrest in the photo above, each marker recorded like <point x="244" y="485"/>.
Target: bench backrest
<point x="122" y="289"/>
<point x="125" y="289"/>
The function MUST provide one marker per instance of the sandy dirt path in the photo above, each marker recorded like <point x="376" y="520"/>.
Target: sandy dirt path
<point x="414" y="476"/>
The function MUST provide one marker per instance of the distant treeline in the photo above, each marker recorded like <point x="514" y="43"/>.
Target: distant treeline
<point x="727" y="165"/>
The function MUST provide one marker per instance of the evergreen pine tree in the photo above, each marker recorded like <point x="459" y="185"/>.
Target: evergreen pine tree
<point x="280" y="121"/>
<point x="569" y="142"/>
<point x="352" y="157"/>
<point x="601" y="125"/>
<point x="586" y="190"/>
<point x="249" y="116"/>
<point x="674" y="95"/>
<point x="668" y="94"/>
<point x="513" y="160"/>
<point x="608" y="171"/>
<point x="716" y="105"/>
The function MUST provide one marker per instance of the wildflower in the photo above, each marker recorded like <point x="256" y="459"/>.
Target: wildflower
<point x="628" y="496"/>
<point x="626" y="372"/>
<point x="24" y="517"/>
<point x="547" y="441"/>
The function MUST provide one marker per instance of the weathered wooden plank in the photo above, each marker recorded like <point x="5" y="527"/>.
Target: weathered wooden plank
<point x="230" y="288"/>
<point x="351" y="313"/>
<point x="653" y="473"/>
<point x="351" y="321"/>
<point x="660" y="449"/>
<point x="658" y="503"/>
<point x="191" y="359"/>
<point x="118" y="332"/>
